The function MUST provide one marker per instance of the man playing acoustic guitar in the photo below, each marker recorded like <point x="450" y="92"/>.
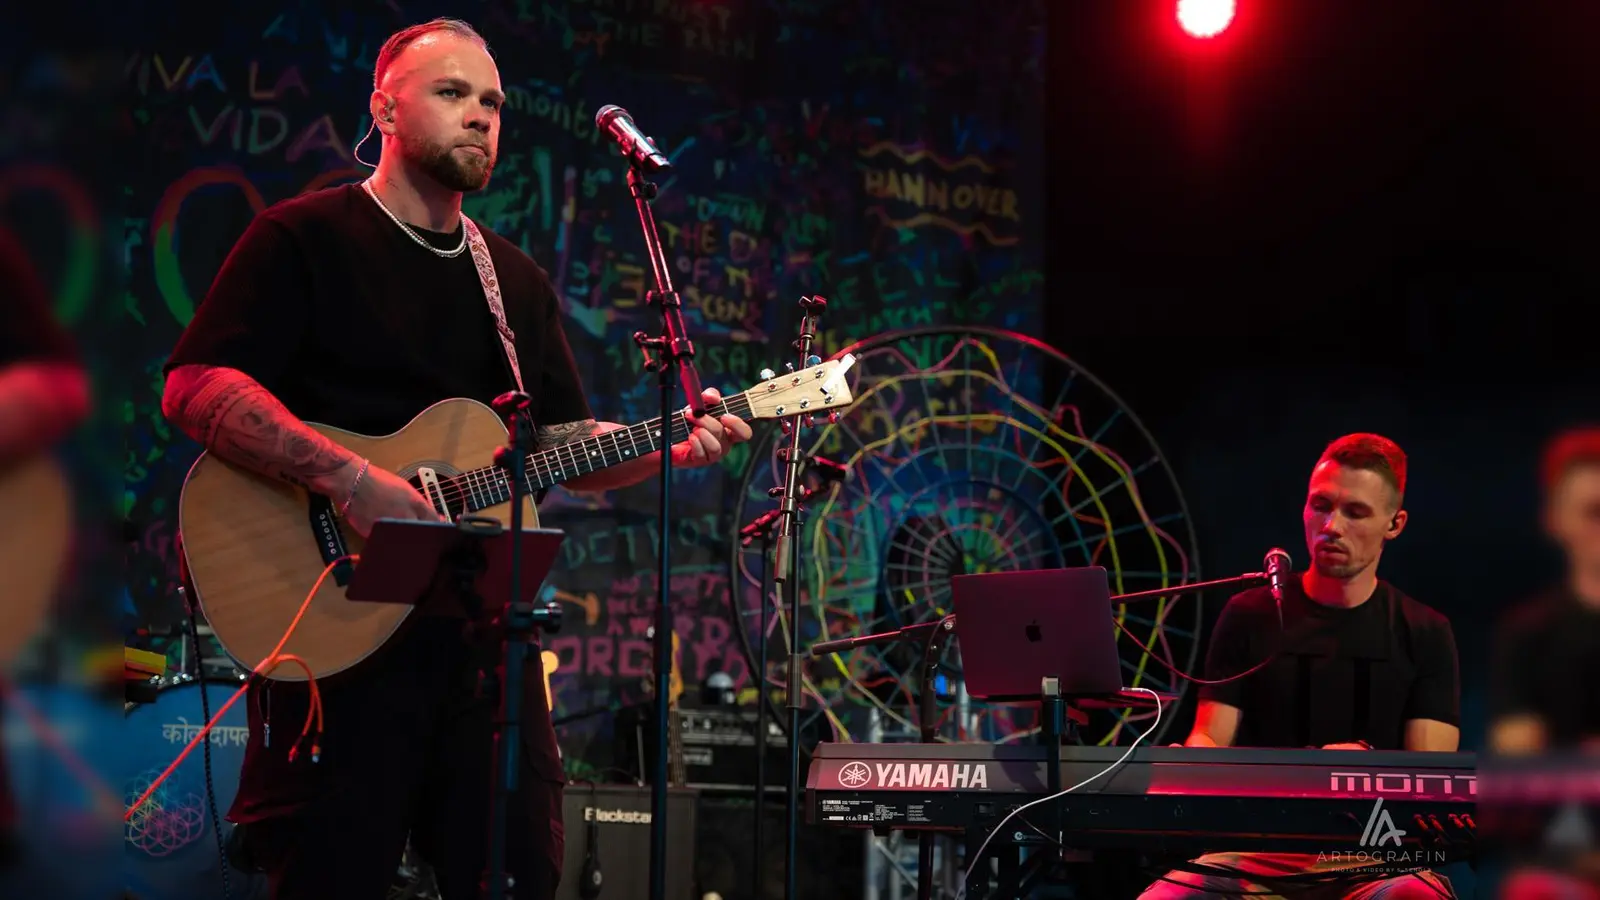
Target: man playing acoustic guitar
<point x="358" y="307"/>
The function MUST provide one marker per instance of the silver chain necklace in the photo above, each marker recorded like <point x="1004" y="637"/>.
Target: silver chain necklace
<point x="407" y="228"/>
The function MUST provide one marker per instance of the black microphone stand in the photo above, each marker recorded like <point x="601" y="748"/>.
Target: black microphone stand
<point x="786" y="577"/>
<point x="1247" y="578"/>
<point x="521" y="621"/>
<point x="762" y="527"/>
<point x="671" y="354"/>
<point x="759" y="858"/>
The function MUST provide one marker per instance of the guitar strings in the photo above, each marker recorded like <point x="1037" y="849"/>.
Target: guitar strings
<point x="493" y="484"/>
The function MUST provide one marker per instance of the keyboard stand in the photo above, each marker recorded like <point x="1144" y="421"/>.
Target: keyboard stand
<point x="1018" y="877"/>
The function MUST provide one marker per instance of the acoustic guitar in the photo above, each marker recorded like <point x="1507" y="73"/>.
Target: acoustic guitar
<point x="33" y="549"/>
<point x="255" y="546"/>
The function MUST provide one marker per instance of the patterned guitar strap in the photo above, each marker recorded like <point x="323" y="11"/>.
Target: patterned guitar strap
<point x="491" y="293"/>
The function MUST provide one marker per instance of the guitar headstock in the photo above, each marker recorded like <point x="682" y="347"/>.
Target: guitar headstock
<point x="811" y="390"/>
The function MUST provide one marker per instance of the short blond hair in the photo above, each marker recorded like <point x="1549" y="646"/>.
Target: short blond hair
<point x="403" y="38"/>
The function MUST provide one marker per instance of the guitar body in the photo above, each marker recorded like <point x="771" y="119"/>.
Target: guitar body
<point x="253" y="554"/>
<point x="33" y="549"/>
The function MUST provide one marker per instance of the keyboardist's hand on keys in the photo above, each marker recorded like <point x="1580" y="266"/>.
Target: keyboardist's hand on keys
<point x="1359" y="745"/>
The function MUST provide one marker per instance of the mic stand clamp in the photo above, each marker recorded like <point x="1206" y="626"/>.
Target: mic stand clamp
<point x="786" y="577"/>
<point x="669" y="355"/>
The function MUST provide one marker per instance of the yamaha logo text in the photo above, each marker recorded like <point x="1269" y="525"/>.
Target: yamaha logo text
<point x="953" y="776"/>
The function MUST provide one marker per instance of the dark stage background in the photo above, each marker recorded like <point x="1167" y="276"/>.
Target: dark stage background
<point x="1337" y="217"/>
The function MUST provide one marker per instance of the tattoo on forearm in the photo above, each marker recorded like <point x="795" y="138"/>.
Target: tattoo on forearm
<point x="548" y="436"/>
<point x="241" y="421"/>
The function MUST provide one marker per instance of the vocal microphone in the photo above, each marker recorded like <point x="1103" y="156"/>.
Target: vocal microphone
<point x="639" y="149"/>
<point x="1278" y="566"/>
<point x="828" y="469"/>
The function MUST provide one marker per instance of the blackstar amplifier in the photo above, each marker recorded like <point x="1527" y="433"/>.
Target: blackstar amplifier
<point x="608" y="838"/>
<point x="719" y="747"/>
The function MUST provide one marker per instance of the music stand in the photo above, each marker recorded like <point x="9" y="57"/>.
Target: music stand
<point x="447" y="569"/>
<point x="410" y="562"/>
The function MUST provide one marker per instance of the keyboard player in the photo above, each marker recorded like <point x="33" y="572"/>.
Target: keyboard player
<point x="1358" y="665"/>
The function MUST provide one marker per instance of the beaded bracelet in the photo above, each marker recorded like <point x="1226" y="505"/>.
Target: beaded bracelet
<point x="344" y="508"/>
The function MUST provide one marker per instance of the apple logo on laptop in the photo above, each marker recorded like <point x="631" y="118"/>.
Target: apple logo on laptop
<point x="1032" y="631"/>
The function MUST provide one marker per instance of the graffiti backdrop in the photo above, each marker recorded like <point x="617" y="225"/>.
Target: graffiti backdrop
<point x="886" y="155"/>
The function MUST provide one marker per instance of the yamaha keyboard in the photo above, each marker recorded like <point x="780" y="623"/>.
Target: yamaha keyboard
<point x="1161" y="799"/>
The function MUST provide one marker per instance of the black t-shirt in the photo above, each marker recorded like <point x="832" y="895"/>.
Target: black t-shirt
<point x="349" y="323"/>
<point x="1341" y="675"/>
<point x="1547" y="663"/>
<point x="31" y="332"/>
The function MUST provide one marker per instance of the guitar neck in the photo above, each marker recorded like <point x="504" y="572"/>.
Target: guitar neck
<point x="489" y="486"/>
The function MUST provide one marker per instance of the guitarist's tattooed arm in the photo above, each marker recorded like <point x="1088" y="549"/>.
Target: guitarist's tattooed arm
<point x="233" y="416"/>
<point x="548" y="436"/>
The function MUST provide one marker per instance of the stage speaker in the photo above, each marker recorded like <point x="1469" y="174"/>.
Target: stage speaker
<point x="608" y="843"/>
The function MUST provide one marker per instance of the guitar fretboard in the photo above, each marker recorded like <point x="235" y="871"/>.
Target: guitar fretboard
<point x="490" y="485"/>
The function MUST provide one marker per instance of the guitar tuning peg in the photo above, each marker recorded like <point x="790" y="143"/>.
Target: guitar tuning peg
<point x="787" y="426"/>
<point x="833" y="418"/>
<point x="766" y="374"/>
<point x="789" y="366"/>
<point x="813" y="360"/>
<point x="811" y="421"/>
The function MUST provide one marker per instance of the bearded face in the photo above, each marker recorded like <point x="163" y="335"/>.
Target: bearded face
<point x="464" y="164"/>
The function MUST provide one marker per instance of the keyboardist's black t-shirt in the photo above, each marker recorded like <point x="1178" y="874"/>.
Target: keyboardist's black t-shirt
<point x="1341" y="675"/>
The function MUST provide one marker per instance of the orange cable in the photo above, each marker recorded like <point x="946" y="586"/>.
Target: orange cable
<point x="273" y="660"/>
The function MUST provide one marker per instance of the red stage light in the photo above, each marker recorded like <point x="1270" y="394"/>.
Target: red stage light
<point x="1205" y="18"/>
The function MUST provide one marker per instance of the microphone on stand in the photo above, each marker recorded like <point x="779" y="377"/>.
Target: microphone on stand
<point x="1278" y="567"/>
<point x="638" y="148"/>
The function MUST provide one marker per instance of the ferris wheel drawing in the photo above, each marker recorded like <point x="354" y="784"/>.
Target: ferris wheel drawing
<point x="967" y="450"/>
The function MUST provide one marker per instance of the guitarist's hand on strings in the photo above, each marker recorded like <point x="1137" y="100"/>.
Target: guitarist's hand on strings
<point x="381" y="494"/>
<point x="712" y="437"/>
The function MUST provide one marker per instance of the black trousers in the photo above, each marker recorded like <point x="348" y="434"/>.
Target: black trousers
<point x="407" y="752"/>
